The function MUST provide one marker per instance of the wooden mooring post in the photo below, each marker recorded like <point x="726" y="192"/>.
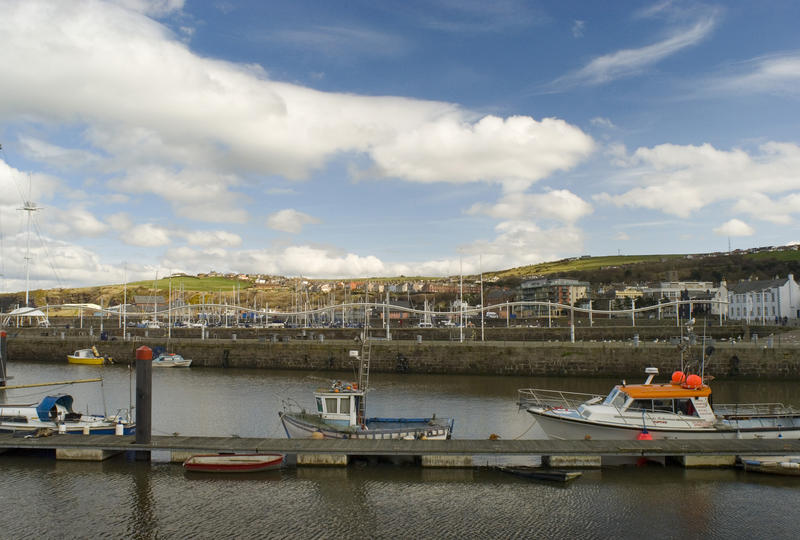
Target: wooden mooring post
<point x="144" y="399"/>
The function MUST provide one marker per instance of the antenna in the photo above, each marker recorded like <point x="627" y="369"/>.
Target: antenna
<point x="30" y="207"/>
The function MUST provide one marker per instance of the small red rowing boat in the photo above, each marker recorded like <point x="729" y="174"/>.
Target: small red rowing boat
<point x="231" y="463"/>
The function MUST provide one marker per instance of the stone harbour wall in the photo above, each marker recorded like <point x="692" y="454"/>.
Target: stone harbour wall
<point x="435" y="357"/>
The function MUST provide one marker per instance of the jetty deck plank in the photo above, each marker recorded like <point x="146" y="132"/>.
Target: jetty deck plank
<point x="700" y="447"/>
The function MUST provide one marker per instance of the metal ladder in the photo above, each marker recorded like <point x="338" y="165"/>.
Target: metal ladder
<point x="363" y="376"/>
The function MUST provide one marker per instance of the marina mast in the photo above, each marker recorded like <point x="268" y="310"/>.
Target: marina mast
<point x="30" y="207"/>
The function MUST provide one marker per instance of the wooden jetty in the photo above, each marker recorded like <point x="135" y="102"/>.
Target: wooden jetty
<point x="454" y="450"/>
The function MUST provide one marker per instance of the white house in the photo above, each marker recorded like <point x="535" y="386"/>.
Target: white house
<point x="764" y="301"/>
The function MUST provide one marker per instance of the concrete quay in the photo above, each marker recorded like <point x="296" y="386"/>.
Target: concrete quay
<point x="449" y="453"/>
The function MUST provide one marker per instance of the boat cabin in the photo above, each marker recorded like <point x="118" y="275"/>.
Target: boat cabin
<point x="676" y="397"/>
<point x="338" y="404"/>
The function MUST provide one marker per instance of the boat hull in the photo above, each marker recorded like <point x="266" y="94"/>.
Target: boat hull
<point x="305" y="426"/>
<point x="75" y="429"/>
<point x="88" y="361"/>
<point x="233" y="463"/>
<point x="571" y="428"/>
<point x="171" y="361"/>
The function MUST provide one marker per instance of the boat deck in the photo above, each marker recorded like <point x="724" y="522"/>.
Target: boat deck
<point x="394" y="447"/>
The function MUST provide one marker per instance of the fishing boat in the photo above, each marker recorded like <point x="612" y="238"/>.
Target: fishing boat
<point x="783" y="465"/>
<point x="54" y="414"/>
<point x="89" y="357"/>
<point x="171" y="360"/>
<point x="341" y="414"/>
<point x="233" y="463"/>
<point x="679" y="409"/>
<point x="538" y="473"/>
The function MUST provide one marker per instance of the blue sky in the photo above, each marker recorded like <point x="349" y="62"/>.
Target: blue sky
<point x="341" y="139"/>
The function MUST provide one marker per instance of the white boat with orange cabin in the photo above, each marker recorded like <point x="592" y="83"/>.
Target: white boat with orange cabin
<point x="679" y="409"/>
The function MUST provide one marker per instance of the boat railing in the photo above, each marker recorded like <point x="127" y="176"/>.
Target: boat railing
<point x="739" y="410"/>
<point x="538" y="397"/>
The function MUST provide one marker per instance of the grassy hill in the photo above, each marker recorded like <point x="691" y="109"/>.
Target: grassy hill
<point x="629" y="269"/>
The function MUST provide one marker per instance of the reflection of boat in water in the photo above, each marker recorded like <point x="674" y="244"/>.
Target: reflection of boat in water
<point x="89" y="357"/>
<point x="539" y="473"/>
<point x="680" y="409"/>
<point x="341" y="414"/>
<point x="233" y="463"/>
<point x="785" y="465"/>
<point x="54" y="414"/>
<point x="171" y="360"/>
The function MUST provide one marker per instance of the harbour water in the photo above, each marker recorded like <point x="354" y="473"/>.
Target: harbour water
<point x="123" y="498"/>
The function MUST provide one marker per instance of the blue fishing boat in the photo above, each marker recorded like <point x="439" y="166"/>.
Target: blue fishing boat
<point x="340" y="413"/>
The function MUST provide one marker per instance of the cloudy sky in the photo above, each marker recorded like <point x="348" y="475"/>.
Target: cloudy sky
<point x="364" y="138"/>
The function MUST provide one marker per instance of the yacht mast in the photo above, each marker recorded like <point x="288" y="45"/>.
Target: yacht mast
<point x="30" y="207"/>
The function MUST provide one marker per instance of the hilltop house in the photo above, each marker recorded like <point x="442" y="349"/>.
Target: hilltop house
<point x="764" y="300"/>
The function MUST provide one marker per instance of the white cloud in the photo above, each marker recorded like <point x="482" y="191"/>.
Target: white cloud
<point x="191" y="127"/>
<point x="622" y="236"/>
<point x="627" y="62"/>
<point x="522" y="242"/>
<point x="146" y="235"/>
<point x="73" y="222"/>
<point x="194" y="193"/>
<point x="561" y="205"/>
<point x="290" y="220"/>
<point x="515" y="151"/>
<point x="776" y="74"/>
<point x="155" y="8"/>
<point x="578" y="28"/>
<point x="602" y="122"/>
<point x="213" y="239"/>
<point x="337" y="41"/>
<point x="762" y="207"/>
<point x="734" y="227"/>
<point x="57" y="156"/>
<point x="680" y="180"/>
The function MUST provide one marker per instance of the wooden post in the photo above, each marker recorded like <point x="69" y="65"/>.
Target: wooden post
<point x="144" y="401"/>
<point x="3" y="359"/>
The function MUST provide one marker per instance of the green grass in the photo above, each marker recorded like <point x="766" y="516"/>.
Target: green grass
<point x="590" y="263"/>
<point x="206" y="284"/>
<point x="785" y="255"/>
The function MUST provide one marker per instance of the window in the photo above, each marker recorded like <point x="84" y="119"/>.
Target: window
<point x="330" y="404"/>
<point x="619" y="400"/>
<point x="685" y="407"/>
<point x="344" y="405"/>
<point x="319" y="404"/>
<point x="642" y="404"/>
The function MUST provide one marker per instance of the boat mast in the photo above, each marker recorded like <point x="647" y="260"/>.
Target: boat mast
<point x="29" y="207"/>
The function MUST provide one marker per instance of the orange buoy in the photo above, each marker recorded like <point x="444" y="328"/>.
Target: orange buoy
<point x="694" y="381"/>
<point x="644" y="436"/>
<point x="678" y="377"/>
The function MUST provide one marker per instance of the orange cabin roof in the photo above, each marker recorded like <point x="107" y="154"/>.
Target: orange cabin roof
<point x="664" y="391"/>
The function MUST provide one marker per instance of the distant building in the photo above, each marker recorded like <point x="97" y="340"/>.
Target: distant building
<point x="764" y="300"/>
<point x="558" y="291"/>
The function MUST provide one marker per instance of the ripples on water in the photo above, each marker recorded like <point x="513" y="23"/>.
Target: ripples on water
<point x="121" y="498"/>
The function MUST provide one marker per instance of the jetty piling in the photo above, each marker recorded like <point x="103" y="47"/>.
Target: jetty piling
<point x="144" y="399"/>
